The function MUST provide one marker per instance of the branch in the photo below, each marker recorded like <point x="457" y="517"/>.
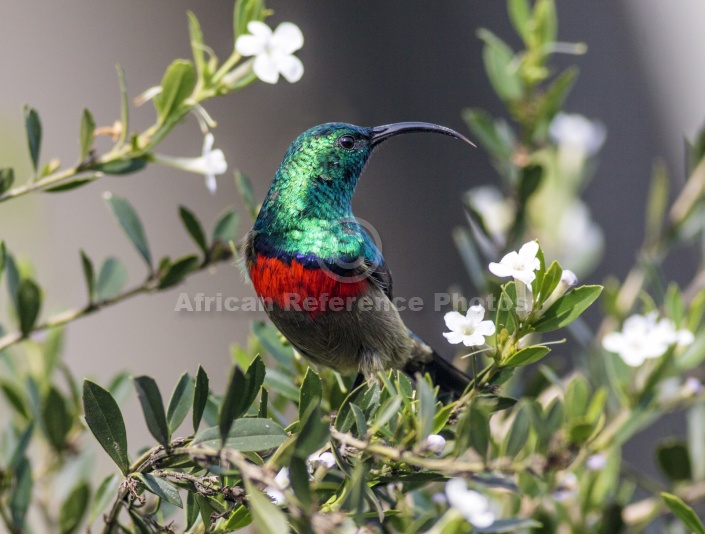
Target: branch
<point x="150" y="285"/>
<point x="448" y="466"/>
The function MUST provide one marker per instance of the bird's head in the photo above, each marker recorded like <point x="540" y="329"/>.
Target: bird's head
<point x="321" y="168"/>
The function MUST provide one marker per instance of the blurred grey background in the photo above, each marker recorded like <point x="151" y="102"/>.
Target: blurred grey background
<point x="365" y="62"/>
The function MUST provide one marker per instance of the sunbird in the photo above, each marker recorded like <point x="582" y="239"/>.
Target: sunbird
<point x="321" y="277"/>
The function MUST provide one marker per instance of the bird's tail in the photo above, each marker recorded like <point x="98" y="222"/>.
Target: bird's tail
<point x="449" y="379"/>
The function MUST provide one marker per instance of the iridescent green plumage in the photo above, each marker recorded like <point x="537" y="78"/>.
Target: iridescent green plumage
<point x="308" y="207"/>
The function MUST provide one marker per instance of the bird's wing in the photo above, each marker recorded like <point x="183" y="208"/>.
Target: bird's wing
<point x="380" y="275"/>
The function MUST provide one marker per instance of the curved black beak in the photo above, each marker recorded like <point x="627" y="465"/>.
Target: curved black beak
<point x="382" y="133"/>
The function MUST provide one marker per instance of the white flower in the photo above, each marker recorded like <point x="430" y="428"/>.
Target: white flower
<point x="519" y="265"/>
<point x="567" y="488"/>
<point x="211" y="163"/>
<point x="435" y="443"/>
<point x="470" y="329"/>
<point x="692" y="386"/>
<point x="496" y="211"/>
<point x="273" y="51"/>
<point x="473" y="506"/>
<point x="276" y="493"/>
<point x="577" y="132"/>
<point x="439" y="499"/>
<point x="643" y="338"/>
<point x="325" y="459"/>
<point x="596" y="462"/>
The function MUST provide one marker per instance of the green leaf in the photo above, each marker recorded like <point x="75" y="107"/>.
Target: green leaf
<point x="526" y="356"/>
<point x="314" y="432"/>
<point x="298" y="479"/>
<point x="29" y="302"/>
<point x="153" y="408"/>
<point x="180" y="402"/>
<point x="473" y="429"/>
<point x="13" y="278"/>
<point x="255" y="375"/>
<point x="567" y="308"/>
<point x="518" y="433"/>
<point x="225" y="230"/>
<point x="550" y="281"/>
<point x="520" y="15"/>
<point x="70" y="186"/>
<point x="244" y="187"/>
<point x="104" y="496"/>
<point x="684" y="512"/>
<point x="87" y="129"/>
<point x="344" y="419"/>
<point x="483" y="126"/>
<point x="674" y="459"/>
<point x="273" y="343"/>
<point x="177" y="85"/>
<point x="263" y="402"/>
<point x="192" y="511"/>
<point x="194" y="228"/>
<point x="673" y="303"/>
<point x="197" y="46"/>
<point x="499" y="64"/>
<point x="122" y="166"/>
<point x="246" y="435"/>
<point x="354" y="501"/>
<point x="545" y="20"/>
<point x="530" y="180"/>
<point x="89" y="275"/>
<point x="577" y="397"/>
<point x="139" y="523"/>
<point x="206" y="507"/>
<point x="111" y="279"/>
<point x="21" y="448"/>
<point x="15" y="397"/>
<point x="266" y="516"/>
<point x="245" y="12"/>
<point x="200" y="397"/>
<point x="74" y="508"/>
<point x="56" y="418"/>
<point x="130" y="222"/>
<point x="161" y="488"/>
<point x="311" y="392"/>
<point x="360" y="419"/>
<point x="104" y="419"/>
<point x="426" y="409"/>
<point x="7" y="177"/>
<point x="34" y="134"/>
<point x="233" y="404"/>
<point x="579" y="430"/>
<point x="177" y="271"/>
<point x="280" y="383"/>
<point x="20" y="495"/>
<point x="555" y="95"/>
<point x="389" y="409"/>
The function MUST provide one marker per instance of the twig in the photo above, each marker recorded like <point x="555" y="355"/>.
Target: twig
<point x="449" y="466"/>
<point x="148" y="286"/>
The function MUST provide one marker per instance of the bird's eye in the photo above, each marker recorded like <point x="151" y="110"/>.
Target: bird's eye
<point x="347" y="142"/>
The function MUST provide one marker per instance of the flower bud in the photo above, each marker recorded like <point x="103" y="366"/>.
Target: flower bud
<point x="435" y="443"/>
<point x="568" y="280"/>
